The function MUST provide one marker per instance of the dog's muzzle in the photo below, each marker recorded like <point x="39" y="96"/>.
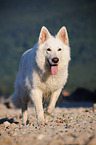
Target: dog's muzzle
<point x="54" y="65"/>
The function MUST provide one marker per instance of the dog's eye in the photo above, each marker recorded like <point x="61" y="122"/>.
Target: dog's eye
<point x="48" y="49"/>
<point x="59" y="49"/>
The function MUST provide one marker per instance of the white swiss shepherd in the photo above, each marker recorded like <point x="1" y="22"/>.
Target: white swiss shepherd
<point x="43" y="72"/>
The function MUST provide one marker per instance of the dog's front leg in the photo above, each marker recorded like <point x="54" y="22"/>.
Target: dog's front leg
<point x="36" y="95"/>
<point x="53" y="99"/>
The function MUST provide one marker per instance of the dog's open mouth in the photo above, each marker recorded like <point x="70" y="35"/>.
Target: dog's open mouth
<point x="54" y="68"/>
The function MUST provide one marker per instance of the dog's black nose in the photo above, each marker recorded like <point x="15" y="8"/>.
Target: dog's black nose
<point x="55" y="60"/>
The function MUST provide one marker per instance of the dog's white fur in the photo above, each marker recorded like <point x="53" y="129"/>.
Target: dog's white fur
<point x="35" y="80"/>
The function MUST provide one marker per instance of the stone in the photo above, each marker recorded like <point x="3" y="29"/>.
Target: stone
<point x="13" y="125"/>
<point x="6" y="124"/>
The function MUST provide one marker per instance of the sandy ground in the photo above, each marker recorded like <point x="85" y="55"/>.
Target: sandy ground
<point x="74" y="125"/>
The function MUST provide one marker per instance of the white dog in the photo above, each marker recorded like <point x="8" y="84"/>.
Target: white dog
<point x="43" y="72"/>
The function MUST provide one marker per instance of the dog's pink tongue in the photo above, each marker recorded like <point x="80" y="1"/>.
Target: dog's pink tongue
<point x="54" y="70"/>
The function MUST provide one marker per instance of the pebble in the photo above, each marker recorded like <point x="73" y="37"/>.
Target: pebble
<point x="66" y="121"/>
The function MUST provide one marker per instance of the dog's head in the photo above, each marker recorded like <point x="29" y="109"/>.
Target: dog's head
<point x="54" y="52"/>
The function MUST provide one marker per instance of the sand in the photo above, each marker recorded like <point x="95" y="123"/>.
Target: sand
<point x="74" y="125"/>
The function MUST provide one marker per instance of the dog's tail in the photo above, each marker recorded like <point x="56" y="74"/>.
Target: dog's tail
<point x="16" y="100"/>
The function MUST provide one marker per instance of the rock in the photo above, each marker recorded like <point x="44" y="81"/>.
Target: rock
<point x="6" y="124"/>
<point x="13" y="125"/>
<point x="65" y="93"/>
<point x="65" y="120"/>
<point x="60" y="121"/>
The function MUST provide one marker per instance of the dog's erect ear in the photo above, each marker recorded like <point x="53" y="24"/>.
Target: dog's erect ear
<point x="44" y="35"/>
<point x="63" y="36"/>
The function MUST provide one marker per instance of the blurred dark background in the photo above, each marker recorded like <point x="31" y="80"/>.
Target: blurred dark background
<point x="20" y="24"/>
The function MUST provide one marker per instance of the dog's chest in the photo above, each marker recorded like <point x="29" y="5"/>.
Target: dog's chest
<point x="51" y="83"/>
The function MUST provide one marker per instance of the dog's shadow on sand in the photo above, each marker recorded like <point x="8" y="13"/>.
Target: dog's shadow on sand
<point x="11" y="120"/>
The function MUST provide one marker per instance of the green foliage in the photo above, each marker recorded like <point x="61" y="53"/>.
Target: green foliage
<point x="20" y="24"/>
